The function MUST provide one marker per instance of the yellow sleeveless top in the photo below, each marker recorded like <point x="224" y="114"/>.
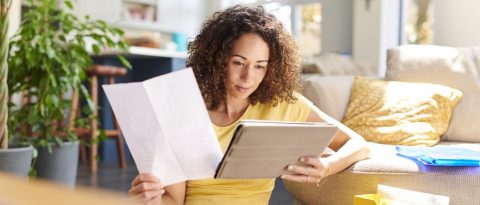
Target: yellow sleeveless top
<point x="243" y="191"/>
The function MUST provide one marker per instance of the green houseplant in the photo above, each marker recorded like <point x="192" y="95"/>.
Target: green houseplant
<point x="14" y="159"/>
<point x="49" y="57"/>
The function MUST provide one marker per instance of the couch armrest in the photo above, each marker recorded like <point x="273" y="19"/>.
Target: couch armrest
<point x="386" y="167"/>
<point x="331" y="94"/>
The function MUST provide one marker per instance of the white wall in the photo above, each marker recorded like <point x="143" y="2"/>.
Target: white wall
<point x="183" y="15"/>
<point x="107" y="10"/>
<point x="337" y="26"/>
<point x="456" y="23"/>
<point x="375" y="29"/>
<point x="172" y="16"/>
<point x="389" y="31"/>
<point x="366" y="32"/>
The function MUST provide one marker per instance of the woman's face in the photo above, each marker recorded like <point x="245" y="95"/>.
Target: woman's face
<point x="247" y="66"/>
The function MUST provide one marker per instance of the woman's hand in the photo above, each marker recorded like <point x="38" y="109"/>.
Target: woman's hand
<point x="310" y="170"/>
<point x="147" y="188"/>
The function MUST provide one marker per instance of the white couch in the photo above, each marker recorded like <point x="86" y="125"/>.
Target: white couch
<point x="455" y="67"/>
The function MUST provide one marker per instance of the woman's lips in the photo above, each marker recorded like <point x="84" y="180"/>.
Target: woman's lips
<point x="242" y="89"/>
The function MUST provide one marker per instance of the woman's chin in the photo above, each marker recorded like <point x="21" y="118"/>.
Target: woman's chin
<point x="241" y="95"/>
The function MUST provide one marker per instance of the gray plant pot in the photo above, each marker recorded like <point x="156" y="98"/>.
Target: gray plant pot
<point x="60" y="165"/>
<point x="16" y="160"/>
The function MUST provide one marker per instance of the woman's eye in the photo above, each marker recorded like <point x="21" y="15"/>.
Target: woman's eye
<point x="260" y="67"/>
<point x="238" y="63"/>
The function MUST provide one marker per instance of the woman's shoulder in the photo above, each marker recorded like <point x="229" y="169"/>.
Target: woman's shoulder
<point x="299" y="100"/>
<point x="284" y="110"/>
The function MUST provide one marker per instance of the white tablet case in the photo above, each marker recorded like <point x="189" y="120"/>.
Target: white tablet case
<point x="263" y="149"/>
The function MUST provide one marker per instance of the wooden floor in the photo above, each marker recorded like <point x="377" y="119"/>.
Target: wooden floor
<point x="109" y="176"/>
<point x="112" y="178"/>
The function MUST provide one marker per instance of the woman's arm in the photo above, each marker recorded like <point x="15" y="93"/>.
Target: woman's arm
<point x="349" y="148"/>
<point x="148" y="189"/>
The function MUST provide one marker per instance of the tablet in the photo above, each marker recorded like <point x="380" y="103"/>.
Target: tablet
<point x="263" y="149"/>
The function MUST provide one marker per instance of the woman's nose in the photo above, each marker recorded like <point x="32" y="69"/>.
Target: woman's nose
<point x="247" y="73"/>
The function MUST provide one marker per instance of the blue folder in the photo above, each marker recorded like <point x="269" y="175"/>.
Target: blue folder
<point x="441" y="155"/>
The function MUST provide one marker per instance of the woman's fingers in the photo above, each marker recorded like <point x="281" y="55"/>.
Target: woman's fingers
<point x="300" y="178"/>
<point x="150" y="195"/>
<point x="312" y="161"/>
<point x="320" y="166"/>
<point x="144" y="187"/>
<point x="148" y="198"/>
<point x="304" y="170"/>
<point x="144" y="177"/>
<point x="311" y="170"/>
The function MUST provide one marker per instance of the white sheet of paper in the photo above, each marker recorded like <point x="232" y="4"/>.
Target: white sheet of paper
<point x="166" y="126"/>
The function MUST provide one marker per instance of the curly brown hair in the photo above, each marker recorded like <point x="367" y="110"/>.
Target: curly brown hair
<point x="210" y="50"/>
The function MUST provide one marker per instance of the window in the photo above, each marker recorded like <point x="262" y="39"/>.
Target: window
<point x="302" y="19"/>
<point x="282" y="12"/>
<point x="310" y="29"/>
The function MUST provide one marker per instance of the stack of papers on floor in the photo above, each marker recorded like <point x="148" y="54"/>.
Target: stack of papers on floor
<point x="441" y="155"/>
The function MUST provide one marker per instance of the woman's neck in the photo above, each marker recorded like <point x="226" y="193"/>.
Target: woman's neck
<point x="229" y="111"/>
<point x="232" y="107"/>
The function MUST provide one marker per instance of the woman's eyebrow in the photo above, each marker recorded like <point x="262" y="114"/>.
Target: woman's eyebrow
<point x="240" y="56"/>
<point x="259" y="61"/>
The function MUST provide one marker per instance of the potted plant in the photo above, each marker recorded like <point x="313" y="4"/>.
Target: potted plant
<point x="49" y="57"/>
<point x="14" y="158"/>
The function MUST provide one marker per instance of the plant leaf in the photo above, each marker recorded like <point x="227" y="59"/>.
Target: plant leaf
<point x="124" y="62"/>
<point x="69" y="4"/>
<point x="96" y="49"/>
<point x="49" y="56"/>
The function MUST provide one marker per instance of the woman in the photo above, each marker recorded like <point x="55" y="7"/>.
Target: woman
<point x="247" y="66"/>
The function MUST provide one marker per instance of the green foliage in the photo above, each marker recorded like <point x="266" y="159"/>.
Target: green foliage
<point x="49" y="56"/>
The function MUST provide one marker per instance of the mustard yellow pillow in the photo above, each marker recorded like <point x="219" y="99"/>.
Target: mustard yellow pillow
<point x="400" y="113"/>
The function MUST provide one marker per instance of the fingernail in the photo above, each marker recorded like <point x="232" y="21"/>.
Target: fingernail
<point x="290" y="168"/>
<point x="302" y="159"/>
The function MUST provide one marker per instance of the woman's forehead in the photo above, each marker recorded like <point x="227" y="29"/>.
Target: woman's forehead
<point x="251" y="46"/>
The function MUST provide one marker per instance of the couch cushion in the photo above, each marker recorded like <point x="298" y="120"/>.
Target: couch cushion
<point x="329" y="93"/>
<point x="336" y="64"/>
<point x="400" y="113"/>
<point x="455" y="67"/>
